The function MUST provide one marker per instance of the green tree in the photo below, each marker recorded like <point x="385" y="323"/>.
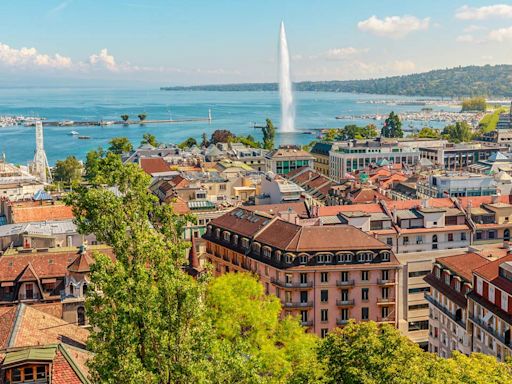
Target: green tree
<point x="125" y="117"/>
<point x="221" y="136"/>
<point x="429" y="133"/>
<point x="92" y="163"/>
<point x="145" y="312"/>
<point x="150" y="139"/>
<point x="68" y="170"/>
<point x="269" y="133"/>
<point x="120" y="145"/>
<point x="251" y="339"/>
<point x="188" y="143"/>
<point x="474" y="104"/>
<point x="142" y="116"/>
<point x="459" y="132"/>
<point x="392" y="126"/>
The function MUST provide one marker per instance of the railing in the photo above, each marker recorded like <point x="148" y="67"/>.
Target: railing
<point x="491" y="330"/>
<point x="438" y="305"/>
<point x="386" y="300"/>
<point x="284" y="284"/>
<point x="24" y="296"/>
<point x="297" y="304"/>
<point x="308" y="323"/>
<point x="342" y="321"/>
<point x="345" y="283"/>
<point x="386" y="282"/>
<point x="344" y="303"/>
<point x="385" y="319"/>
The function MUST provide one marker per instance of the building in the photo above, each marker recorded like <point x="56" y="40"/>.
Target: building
<point x="454" y="184"/>
<point x="286" y="159"/>
<point x="320" y="152"/>
<point x="315" y="184"/>
<point x="324" y="274"/>
<point x="27" y="211"/>
<point x="253" y="157"/>
<point x="276" y="189"/>
<point x="358" y="155"/>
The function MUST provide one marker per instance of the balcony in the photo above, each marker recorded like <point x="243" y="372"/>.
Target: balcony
<point x="386" y="282"/>
<point x="345" y="303"/>
<point x="306" y="323"/>
<point x="298" y="304"/>
<point x="386" y="319"/>
<point x="491" y="330"/>
<point x="386" y="301"/>
<point x="438" y="305"/>
<point x="33" y="296"/>
<point x="342" y="321"/>
<point x="345" y="283"/>
<point x="284" y="284"/>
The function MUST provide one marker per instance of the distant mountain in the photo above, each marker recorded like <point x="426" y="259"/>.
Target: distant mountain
<point x="487" y="80"/>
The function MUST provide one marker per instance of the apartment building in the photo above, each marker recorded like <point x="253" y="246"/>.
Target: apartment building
<point x="456" y="185"/>
<point x="286" y="159"/>
<point x="320" y="152"/>
<point x="492" y="220"/>
<point x="326" y="275"/>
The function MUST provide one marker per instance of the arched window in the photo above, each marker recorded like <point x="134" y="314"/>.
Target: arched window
<point x="303" y="258"/>
<point x="84" y="289"/>
<point x="506" y="234"/>
<point x="385" y="256"/>
<point x="226" y="235"/>
<point x="235" y="239"/>
<point x="256" y="248"/>
<point x="267" y="252"/>
<point x="217" y="233"/>
<point x="278" y="256"/>
<point x="71" y="290"/>
<point x="289" y="258"/>
<point x="80" y="313"/>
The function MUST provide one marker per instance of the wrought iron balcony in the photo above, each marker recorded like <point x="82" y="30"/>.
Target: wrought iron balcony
<point x="345" y="283"/>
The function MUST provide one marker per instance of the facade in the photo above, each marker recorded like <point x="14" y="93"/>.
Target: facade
<point x="456" y="185"/>
<point x="325" y="275"/>
<point x="276" y="189"/>
<point x="320" y="152"/>
<point x="360" y="155"/>
<point x="286" y="159"/>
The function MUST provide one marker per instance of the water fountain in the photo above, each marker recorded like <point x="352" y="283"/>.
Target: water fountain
<point x="285" y="85"/>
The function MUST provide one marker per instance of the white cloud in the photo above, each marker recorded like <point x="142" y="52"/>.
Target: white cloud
<point x="473" y="28"/>
<point x="481" y="13"/>
<point x="467" y="38"/>
<point x="500" y="35"/>
<point x="393" y="26"/>
<point x="343" y="53"/>
<point x="30" y="57"/>
<point x="104" y="59"/>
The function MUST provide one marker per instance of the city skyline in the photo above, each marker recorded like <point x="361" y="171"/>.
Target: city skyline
<point x="199" y="42"/>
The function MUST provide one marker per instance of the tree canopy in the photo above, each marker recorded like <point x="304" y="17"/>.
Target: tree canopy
<point x="392" y="126"/>
<point x="429" y="133"/>
<point x="474" y="104"/>
<point x="68" y="170"/>
<point x="269" y="133"/>
<point x="120" y="145"/>
<point x="221" y="136"/>
<point x="150" y="139"/>
<point x="187" y="143"/>
<point x="460" y="132"/>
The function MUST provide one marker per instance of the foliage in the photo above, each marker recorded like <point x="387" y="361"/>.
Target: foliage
<point x="269" y="134"/>
<point x="142" y="116"/>
<point x="120" y="145"/>
<point x="68" y="170"/>
<point x="252" y="341"/>
<point x="125" y="117"/>
<point x="490" y="120"/>
<point x="221" y="136"/>
<point x="474" y="104"/>
<point x="248" y="141"/>
<point x="150" y="139"/>
<point x="429" y="133"/>
<point x="92" y="163"/>
<point x="188" y="143"/>
<point x="392" y="126"/>
<point x="459" y="132"/>
<point x="350" y="132"/>
<point x="487" y="80"/>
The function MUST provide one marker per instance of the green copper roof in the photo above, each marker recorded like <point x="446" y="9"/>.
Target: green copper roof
<point x="46" y="353"/>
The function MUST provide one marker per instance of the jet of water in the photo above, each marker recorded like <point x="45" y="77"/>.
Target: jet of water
<point x="285" y="85"/>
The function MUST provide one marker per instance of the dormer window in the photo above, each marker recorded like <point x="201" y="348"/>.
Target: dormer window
<point x="303" y="259"/>
<point x="217" y="233"/>
<point x="235" y="239"/>
<point x="256" y="247"/>
<point x="226" y="235"/>
<point x="289" y="258"/>
<point x="267" y="252"/>
<point x="345" y="257"/>
<point x="278" y="256"/>
<point x="438" y="272"/>
<point x="245" y="243"/>
<point x="385" y="256"/>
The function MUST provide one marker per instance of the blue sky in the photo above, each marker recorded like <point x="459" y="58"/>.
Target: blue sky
<point x="218" y="41"/>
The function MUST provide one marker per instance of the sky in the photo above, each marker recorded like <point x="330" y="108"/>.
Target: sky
<point x="157" y="42"/>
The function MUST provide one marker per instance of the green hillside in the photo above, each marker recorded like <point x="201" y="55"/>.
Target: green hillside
<point x="488" y="80"/>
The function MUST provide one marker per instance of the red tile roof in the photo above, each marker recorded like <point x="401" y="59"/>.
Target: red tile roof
<point x="464" y="264"/>
<point x="37" y="212"/>
<point x="335" y="209"/>
<point x="152" y="165"/>
<point x="242" y="221"/>
<point x="490" y="272"/>
<point x="297" y="207"/>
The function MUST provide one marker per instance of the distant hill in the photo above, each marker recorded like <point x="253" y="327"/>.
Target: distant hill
<point x="487" y="80"/>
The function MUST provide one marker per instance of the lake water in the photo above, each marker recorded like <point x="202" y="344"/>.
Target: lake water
<point x="235" y="111"/>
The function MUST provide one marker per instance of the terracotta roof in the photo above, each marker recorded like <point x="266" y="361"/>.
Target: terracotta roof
<point x="490" y="272"/>
<point x="152" y="165"/>
<point x="464" y="264"/>
<point x="7" y="316"/>
<point x="366" y="195"/>
<point x="179" y="206"/>
<point x="297" y="207"/>
<point x="81" y="264"/>
<point x="242" y="221"/>
<point x="38" y="212"/>
<point x="335" y="209"/>
<point x="408" y="204"/>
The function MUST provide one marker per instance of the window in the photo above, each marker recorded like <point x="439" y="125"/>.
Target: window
<point x="303" y="278"/>
<point x="324" y="295"/>
<point x="303" y="296"/>
<point x="344" y="276"/>
<point x="450" y="237"/>
<point x="344" y="314"/>
<point x="463" y="236"/>
<point x="406" y="240"/>
<point x="419" y="290"/>
<point x="324" y="277"/>
<point x="288" y="278"/>
<point x="323" y="332"/>
<point x="365" y="275"/>
<point x="385" y="274"/>
<point x="419" y="239"/>
<point x="418" y="273"/>
<point x="457" y="285"/>
<point x="389" y="241"/>
<point x="304" y="316"/>
<point x="345" y="257"/>
<point x="289" y="259"/>
<point x="80" y="313"/>
<point x="385" y="256"/>
<point x="364" y="294"/>
<point x="324" y="315"/>
<point x="504" y="301"/>
<point x="226" y="235"/>
<point x="385" y="292"/>
<point x="217" y="233"/>
<point x="447" y="278"/>
<point x="384" y="312"/>
<point x="417" y="306"/>
<point x="245" y="243"/>
<point x="267" y="252"/>
<point x="344" y="295"/>
<point x="418" y="325"/>
<point x="365" y="313"/>
<point x="287" y="296"/>
<point x="303" y="259"/>
<point x="479" y="286"/>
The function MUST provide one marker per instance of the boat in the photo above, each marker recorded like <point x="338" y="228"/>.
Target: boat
<point x="103" y="122"/>
<point x="73" y="133"/>
<point x="84" y="137"/>
<point x="66" y="123"/>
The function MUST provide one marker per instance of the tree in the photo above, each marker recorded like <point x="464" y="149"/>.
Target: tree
<point x="459" y="132"/>
<point x="125" y="117"/>
<point x="269" y="133"/>
<point x="92" y="163"/>
<point x="142" y="116"/>
<point x="221" y="136"/>
<point x="251" y="339"/>
<point x="188" y="143"/>
<point x="429" y="133"/>
<point x="150" y="139"/>
<point x="204" y="140"/>
<point x="145" y="312"/>
<point x="474" y="104"/>
<point x="68" y="170"/>
<point x="392" y="126"/>
<point x="120" y="145"/>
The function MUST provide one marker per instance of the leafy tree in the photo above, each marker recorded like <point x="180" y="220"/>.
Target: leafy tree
<point x="120" y="145"/>
<point x="459" y="132"/>
<point x="251" y="339"/>
<point x="204" y="140"/>
<point x="474" y="104"/>
<point x="429" y="133"/>
<point x="142" y="116"/>
<point x="221" y="136"/>
<point x="248" y="141"/>
<point x="68" y="170"/>
<point x="331" y="134"/>
<point x="188" y="143"/>
<point x="150" y="139"/>
<point x="145" y="312"/>
<point x="125" y="117"/>
<point x="392" y="126"/>
<point x="92" y="163"/>
<point x="269" y="133"/>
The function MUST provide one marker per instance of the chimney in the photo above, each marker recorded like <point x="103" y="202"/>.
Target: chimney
<point x="193" y="260"/>
<point x="495" y="199"/>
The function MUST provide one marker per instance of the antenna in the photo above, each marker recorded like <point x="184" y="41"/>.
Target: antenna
<point x="40" y="167"/>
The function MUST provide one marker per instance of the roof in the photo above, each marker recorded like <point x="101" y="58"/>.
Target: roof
<point x="37" y="211"/>
<point x="298" y="207"/>
<point x="200" y="204"/>
<point x="45" y="228"/>
<point x="242" y="221"/>
<point x="289" y="153"/>
<point x="464" y="264"/>
<point x="45" y="353"/>
<point x="490" y="272"/>
<point x="335" y="209"/>
<point x="152" y="165"/>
